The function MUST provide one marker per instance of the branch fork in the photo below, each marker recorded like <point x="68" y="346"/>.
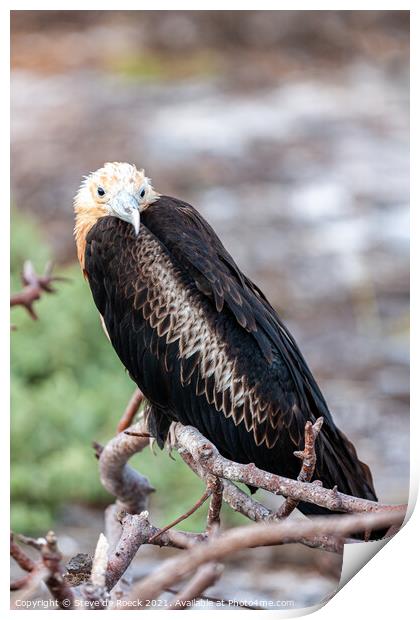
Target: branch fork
<point x="199" y="563"/>
<point x="34" y="287"/>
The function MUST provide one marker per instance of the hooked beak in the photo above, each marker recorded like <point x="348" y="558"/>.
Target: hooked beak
<point x="126" y="207"/>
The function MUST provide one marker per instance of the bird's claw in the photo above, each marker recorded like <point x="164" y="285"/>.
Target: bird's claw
<point x="170" y="443"/>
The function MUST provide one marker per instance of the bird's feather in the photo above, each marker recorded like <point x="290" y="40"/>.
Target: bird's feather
<point x="205" y="346"/>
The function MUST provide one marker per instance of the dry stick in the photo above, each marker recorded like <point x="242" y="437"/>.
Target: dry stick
<point x="113" y="469"/>
<point x="129" y="487"/>
<point x="210" y="572"/>
<point x="95" y="591"/>
<point x="35" y="543"/>
<point x="207" y="455"/>
<point x="128" y="532"/>
<point x="18" y="584"/>
<point x="184" y="516"/>
<point x="113" y="533"/>
<point x="136" y="531"/>
<point x="34" y="579"/>
<point x="23" y="560"/>
<point x="213" y="516"/>
<point x="34" y="287"/>
<point x="237" y="499"/>
<point x="205" y="577"/>
<point x="308" y="457"/>
<point x="131" y="490"/>
<point x="130" y="411"/>
<point x="51" y="568"/>
<point x="51" y="557"/>
<point x="255" y="511"/>
<point x="173" y="570"/>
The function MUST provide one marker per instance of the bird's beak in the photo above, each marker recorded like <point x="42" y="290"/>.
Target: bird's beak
<point x="136" y="220"/>
<point x="125" y="206"/>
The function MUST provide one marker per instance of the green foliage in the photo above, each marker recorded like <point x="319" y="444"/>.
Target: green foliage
<point x="69" y="389"/>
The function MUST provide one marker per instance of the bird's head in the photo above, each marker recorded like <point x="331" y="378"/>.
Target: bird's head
<point x="117" y="189"/>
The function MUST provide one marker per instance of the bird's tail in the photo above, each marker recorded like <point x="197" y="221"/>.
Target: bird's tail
<point x="340" y="466"/>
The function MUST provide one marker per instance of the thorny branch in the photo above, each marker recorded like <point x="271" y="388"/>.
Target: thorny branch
<point x="34" y="287"/>
<point x="48" y="568"/>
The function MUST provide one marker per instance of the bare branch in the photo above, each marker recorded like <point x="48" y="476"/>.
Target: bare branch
<point x="205" y="577"/>
<point x="184" y="516"/>
<point x="31" y="585"/>
<point x="23" y="560"/>
<point x="129" y="487"/>
<point x="239" y="501"/>
<point x="215" y="485"/>
<point x="51" y="557"/>
<point x="34" y="287"/>
<point x="21" y="582"/>
<point x="130" y="411"/>
<point x="49" y="568"/>
<point x="206" y="454"/>
<point x="136" y="531"/>
<point x="95" y="590"/>
<point x="173" y="570"/>
<point x="308" y="457"/>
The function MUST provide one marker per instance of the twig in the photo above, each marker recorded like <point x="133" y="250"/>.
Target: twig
<point x="21" y="582"/>
<point x="50" y="567"/>
<point x="35" y="543"/>
<point x="258" y="534"/>
<point x="205" y="577"/>
<point x="31" y="586"/>
<point x="185" y="515"/>
<point x="213" y="516"/>
<point x="129" y="487"/>
<point x="51" y="557"/>
<point x="308" y="458"/>
<point x="95" y="590"/>
<point x="136" y="531"/>
<point x="130" y="411"/>
<point x="34" y="287"/>
<point x="128" y="525"/>
<point x="23" y="560"/>
<point x="207" y="455"/>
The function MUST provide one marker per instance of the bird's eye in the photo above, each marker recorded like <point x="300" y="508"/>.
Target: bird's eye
<point x="101" y="191"/>
<point x="142" y="193"/>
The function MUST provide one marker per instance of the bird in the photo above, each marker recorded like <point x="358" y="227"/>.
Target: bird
<point x="198" y="337"/>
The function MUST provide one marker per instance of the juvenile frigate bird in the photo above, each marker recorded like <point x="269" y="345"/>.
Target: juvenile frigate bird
<point x="198" y="337"/>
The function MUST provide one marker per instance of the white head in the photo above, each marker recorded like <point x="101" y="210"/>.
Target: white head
<point x="116" y="189"/>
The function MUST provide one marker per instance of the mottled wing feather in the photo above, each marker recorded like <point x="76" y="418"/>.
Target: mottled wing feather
<point x="194" y="245"/>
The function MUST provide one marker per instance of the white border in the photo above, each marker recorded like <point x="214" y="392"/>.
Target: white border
<point x="386" y="584"/>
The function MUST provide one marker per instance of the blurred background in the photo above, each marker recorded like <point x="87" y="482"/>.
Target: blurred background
<point x="289" y="131"/>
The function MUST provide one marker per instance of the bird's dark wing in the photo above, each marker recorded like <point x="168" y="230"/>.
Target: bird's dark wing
<point x="287" y="395"/>
<point x="205" y="346"/>
<point x="195" y="245"/>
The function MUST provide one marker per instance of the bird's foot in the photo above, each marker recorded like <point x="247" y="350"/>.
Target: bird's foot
<point x="170" y="443"/>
